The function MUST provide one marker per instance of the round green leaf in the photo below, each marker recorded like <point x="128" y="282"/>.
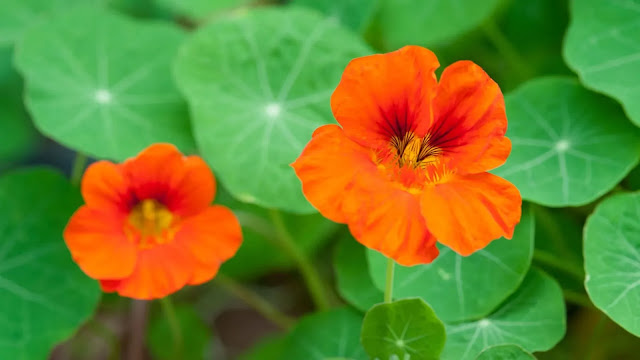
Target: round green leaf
<point x="602" y="47"/>
<point x="258" y="84"/>
<point x="102" y="90"/>
<point x="354" y="14"/>
<point x="404" y="329"/>
<point x="612" y="259"/>
<point x="429" y="22"/>
<point x="331" y="334"/>
<point x="505" y="352"/>
<point x="196" y="336"/>
<point x="352" y="275"/>
<point x="533" y="318"/>
<point x="462" y="288"/>
<point x="44" y="296"/>
<point x="570" y="146"/>
<point x="269" y="348"/>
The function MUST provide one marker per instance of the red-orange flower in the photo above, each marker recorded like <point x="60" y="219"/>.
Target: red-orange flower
<point x="147" y="228"/>
<point x="409" y="164"/>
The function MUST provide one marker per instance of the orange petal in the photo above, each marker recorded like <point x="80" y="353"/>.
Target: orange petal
<point x="159" y="271"/>
<point x="467" y="212"/>
<point x="184" y="184"/>
<point x="98" y="244"/>
<point x="328" y="166"/>
<point x="469" y="119"/>
<point x="383" y="95"/>
<point x="104" y="186"/>
<point x="212" y="237"/>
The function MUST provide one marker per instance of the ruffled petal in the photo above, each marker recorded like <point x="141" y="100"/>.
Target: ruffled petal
<point x="327" y="168"/>
<point x="467" y="212"/>
<point x="98" y="244"/>
<point x="385" y="95"/>
<point x="469" y="119"/>
<point x="211" y="237"/>
<point x="104" y="186"/>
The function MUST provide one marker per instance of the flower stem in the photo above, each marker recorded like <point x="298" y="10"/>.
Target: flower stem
<point x="174" y="325"/>
<point x="138" y="328"/>
<point x="77" y="170"/>
<point x="388" y="289"/>
<point x="255" y="301"/>
<point x="311" y="276"/>
<point x="506" y="49"/>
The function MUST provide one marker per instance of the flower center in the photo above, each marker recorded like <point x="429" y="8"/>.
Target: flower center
<point x="413" y="151"/>
<point x="151" y="222"/>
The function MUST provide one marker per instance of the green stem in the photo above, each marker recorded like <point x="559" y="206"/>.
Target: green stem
<point x="388" y="289"/>
<point x="311" y="276"/>
<point x="255" y="301"/>
<point x="174" y="325"/>
<point x="77" y="170"/>
<point x="551" y="260"/>
<point x="506" y="49"/>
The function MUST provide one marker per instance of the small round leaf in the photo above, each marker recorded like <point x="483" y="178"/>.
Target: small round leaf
<point x="505" y="352"/>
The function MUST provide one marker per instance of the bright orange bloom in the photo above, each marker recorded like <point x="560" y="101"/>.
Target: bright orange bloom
<point x="409" y="164"/>
<point x="147" y="228"/>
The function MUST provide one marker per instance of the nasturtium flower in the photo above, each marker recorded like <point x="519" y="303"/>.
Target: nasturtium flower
<point x="148" y="228"/>
<point x="408" y="164"/>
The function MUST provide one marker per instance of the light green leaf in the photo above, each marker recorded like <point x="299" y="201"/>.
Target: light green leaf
<point x="44" y="296"/>
<point x="462" y="288"/>
<point x="258" y="85"/>
<point x="602" y="47"/>
<point x="352" y="275"/>
<point x="94" y="87"/>
<point x="429" y="22"/>
<point x="331" y="334"/>
<point x="533" y="318"/>
<point x="201" y="9"/>
<point x="270" y="348"/>
<point x="505" y="352"/>
<point x="196" y="336"/>
<point x="404" y="329"/>
<point x="354" y="14"/>
<point x="612" y="259"/>
<point x="570" y="146"/>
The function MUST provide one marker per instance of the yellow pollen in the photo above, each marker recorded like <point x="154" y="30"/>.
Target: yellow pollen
<point x="414" y="151"/>
<point x="153" y="222"/>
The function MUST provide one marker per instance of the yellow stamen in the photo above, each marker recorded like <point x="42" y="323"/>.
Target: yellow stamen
<point x="153" y="222"/>
<point x="414" y="151"/>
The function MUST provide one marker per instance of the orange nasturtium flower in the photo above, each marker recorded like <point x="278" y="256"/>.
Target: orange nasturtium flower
<point x="408" y="166"/>
<point x="147" y="228"/>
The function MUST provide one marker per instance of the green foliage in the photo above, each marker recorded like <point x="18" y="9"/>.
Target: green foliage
<point x="44" y="296"/>
<point x="352" y="275"/>
<point x="201" y="9"/>
<point x="195" y="339"/>
<point x="505" y="352"/>
<point x="612" y="259"/>
<point x="257" y="89"/>
<point x="406" y="328"/>
<point x="354" y="14"/>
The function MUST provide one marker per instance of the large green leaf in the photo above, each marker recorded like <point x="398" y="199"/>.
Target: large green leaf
<point x="331" y="334"/>
<point x="570" y="146"/>
<point x="403" y="329"/>
<point x="201" y="9"/>
<point x="100" y="83"/>
<point x="505" y="352"/>
<point x="355" y="14"/>
<point x="429" y="22"/>
<point x="194" y="342"/>
<point x="612" y="259"/>
<point x="258" y="84"/>
<point x="533" y="318"/>
<point x="462" y="288"/>
<point x="352" y="275"/>
<point x="44" y="297"/>
<point x="602" y="47"/>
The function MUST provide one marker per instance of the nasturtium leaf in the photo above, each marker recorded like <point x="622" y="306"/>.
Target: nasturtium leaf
<point x="462" y="288"/>
<point x="94" y="87"/>
<point x="570" y="145"/>
<point x="505" y="352"/>
<point x="352" y="275"/>
<point x="201" y="9"/>
<point x="331" y="334"/>
<point x="354" y="14"/>
<point x="602" y="47"/>
<point x="612" y="259"/>
<point x="195" y="340"/>
<point x="429" y="22"/>
<point x="44" y="296"/>
<point x="406" y="329"/>
<point x="633" y="180"/>
<point x="270" y="348"/>
<point x="258" y="84"/>
<point x="533" y="318"/>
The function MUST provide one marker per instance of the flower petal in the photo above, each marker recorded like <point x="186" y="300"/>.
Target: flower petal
<point x="98" y="244"/>
<point x="328" y="166"/>
<point x="469" y="119"/>
<point x="383" y="95"/>
<point x="212" y="237"/>
<point x="104" y="186"/>
<point x="467" y="212"/>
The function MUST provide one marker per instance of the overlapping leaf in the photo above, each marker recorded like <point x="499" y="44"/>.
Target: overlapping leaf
<point x="352" y="275"/>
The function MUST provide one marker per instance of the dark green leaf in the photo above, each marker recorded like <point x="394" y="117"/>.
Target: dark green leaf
<point x="195" y="336"/>
<point x="352" y="275"/>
